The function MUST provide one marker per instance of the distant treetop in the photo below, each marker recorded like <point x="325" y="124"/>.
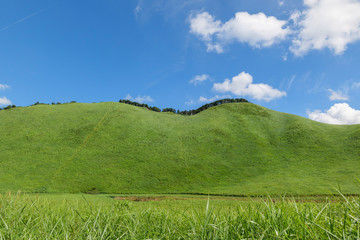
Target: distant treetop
<point x="156" y="109"/>
<point x="186" y="112"/>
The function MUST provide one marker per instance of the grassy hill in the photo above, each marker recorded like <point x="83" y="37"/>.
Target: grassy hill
<point x="237" y="148"/>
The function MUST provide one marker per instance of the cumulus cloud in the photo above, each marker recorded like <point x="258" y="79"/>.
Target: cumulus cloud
<point x="332" y="24"/>
<point x="338" y="95"/>
<point x="329" y="24"/>
<point x="204" y="25"/>
<point x="257" y="30"/>
<point x="4" y="101"/>
<point x="139" y="99"/>
<point x="199" y="79"/>
<point x="4" y="86"/>
<point x="242" y="85"/>
<point x="340" y="113"/>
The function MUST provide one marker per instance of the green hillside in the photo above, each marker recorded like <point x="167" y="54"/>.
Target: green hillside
<point x="235" y="148"/>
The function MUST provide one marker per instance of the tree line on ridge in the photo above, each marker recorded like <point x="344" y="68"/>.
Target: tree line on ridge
<point x="156" y="109"/>
<point x="185" y="112"/>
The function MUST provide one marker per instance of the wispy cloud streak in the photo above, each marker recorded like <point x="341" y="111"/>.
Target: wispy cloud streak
<point x="20" y="20"/>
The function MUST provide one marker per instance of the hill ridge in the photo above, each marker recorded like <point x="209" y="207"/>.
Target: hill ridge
<point x="234" y="148"/>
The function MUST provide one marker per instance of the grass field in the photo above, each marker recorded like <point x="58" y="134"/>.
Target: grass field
<point x="75" y="216"/>
<point x="238" y="148"/>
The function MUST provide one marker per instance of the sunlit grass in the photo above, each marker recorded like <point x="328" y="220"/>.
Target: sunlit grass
<point x="100" y="217"/>
<point x="235" y="149"/>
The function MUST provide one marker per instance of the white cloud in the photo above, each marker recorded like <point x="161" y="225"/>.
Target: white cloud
<point x="214" y="48"/>
<point x="212" y="99"/>
<point x="356" y="85"/>
<point x="4" y="86"/>
<point x="295" y="16"/>
<point x="4" y="101"/>
<point x="190" y="102"/>
<point x="242" y="85"/>
<point x="332" y="24"/>
<point x="329" y="24"/>
<point x="340" y="113"/>
<point x="139" y="99"/>
<point x="257" y="30"/>
<point x="202" y="99"/>
<point x="204" y="25"/>
<point x="137" y="10"/>
<point x="128" y="97"/>
<point x="285" y="57"/>
<point x="199" y="79"/>
<point x="338" y="95"/>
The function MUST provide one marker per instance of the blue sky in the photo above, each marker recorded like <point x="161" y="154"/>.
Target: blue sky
<point x="299" y="57"/>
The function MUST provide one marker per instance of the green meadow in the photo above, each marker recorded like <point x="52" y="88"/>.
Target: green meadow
<point x="231" y="149"/>
<point x="69" y="216"/>
<point x="234" y="171"/>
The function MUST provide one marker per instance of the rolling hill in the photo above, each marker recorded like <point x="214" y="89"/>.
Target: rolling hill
<point x="234" y="148"/>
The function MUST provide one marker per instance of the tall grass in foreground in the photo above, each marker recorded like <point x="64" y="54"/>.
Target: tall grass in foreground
<point x="31" y="217"/>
